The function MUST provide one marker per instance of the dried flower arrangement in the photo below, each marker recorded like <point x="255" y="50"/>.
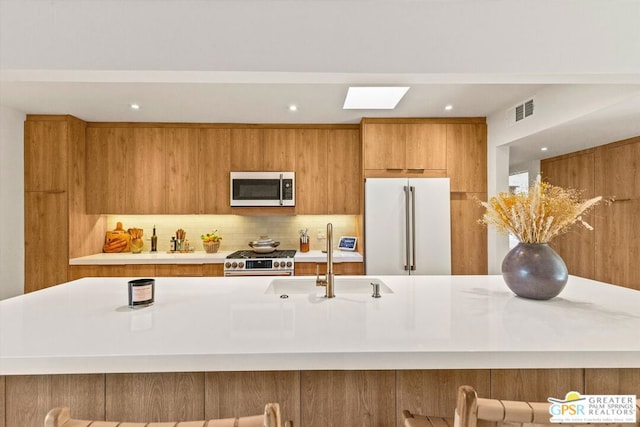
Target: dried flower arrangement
<point x="537" y="217"/>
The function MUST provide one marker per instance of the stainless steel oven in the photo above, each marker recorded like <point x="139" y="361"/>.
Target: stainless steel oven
<point x="250" y="263"/>
<point x="263" y="189"/>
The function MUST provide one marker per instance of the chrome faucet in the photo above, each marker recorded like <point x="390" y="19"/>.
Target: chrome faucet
<point x="328" y="279"/>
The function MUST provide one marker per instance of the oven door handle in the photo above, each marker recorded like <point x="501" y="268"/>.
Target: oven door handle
<point x="258" y="273"/>
<point x="281" y="190"/>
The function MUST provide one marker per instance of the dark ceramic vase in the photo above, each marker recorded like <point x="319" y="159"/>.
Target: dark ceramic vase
<point x="535" y="271"/>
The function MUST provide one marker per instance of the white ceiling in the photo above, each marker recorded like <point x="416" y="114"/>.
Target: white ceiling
<point x="246" y="61"/>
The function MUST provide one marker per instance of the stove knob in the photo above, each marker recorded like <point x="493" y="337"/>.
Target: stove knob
<point x="289" y="264"/>
<point x="241" y="264"/>
<point x="276" y="264"/>
<point x="234" y="264"/>
<point x="227" y="264"/>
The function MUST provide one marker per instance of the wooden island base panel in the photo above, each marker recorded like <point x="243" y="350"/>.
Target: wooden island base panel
<point x="220" y="347"/>
<point x="309" y="398"/>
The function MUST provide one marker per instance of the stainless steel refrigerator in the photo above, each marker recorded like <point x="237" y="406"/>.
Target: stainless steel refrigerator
<point x="407" y="226"/>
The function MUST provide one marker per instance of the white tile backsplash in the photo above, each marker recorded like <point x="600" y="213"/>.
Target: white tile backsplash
<point x="236" y="230"/>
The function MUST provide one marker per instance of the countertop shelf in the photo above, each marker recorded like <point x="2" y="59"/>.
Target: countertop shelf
<point x="198" y="257"/>
<point x="239" y="324"/>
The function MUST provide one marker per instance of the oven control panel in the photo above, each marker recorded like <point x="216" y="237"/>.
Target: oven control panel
<point x="257" y="265"/>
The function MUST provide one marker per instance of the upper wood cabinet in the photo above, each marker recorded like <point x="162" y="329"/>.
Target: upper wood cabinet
<point x="46" y="154"/>
<point x="214" y="167"/>
<point x="311" y="172"/>
<point x="106" y="163"/>
<point x="408" y="147"/>
<point x="344" y="176"/>
<point x="258" y="150"/>
<point x="145" y="172"/>
<point x="182" y="169"/>
<point x="467" y="157"/>
<point x="247" y="153"/>
<point x="279" y="147"/>
<point x="126" y="170"/>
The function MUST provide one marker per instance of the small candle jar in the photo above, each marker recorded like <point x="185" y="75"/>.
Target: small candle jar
<point x="141" y="292"/>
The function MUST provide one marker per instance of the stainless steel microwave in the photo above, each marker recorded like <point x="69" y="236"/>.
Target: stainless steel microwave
<point x="263" y="189"/>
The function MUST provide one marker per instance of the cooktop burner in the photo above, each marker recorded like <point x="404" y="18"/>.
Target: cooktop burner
<point x="249" y="254"/>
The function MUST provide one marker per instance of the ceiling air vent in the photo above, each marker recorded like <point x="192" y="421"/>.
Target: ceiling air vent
<point x="520" y="112"/>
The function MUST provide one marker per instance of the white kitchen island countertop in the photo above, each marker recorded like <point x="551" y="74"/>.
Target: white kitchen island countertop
<point x="234" y="324"/>
<point x="198" y="257"/>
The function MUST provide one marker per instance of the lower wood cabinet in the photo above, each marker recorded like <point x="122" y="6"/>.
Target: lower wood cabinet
<point x="145" y="270"/>
<point x="308" y="398"/>
<point x="341" y="268"/>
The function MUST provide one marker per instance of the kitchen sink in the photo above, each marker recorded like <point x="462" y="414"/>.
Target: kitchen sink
<point x="343" y="286"/>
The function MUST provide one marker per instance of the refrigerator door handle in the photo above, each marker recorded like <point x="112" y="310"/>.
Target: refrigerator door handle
<point x="407" y="237"/>
<point x="413" y="227"/>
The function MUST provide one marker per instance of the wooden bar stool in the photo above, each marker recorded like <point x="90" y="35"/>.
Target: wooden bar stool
<point x="60" y="417"/>
<point x="472" y="411"/>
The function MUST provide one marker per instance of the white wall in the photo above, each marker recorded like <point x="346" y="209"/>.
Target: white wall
<point x="11" y="202"/>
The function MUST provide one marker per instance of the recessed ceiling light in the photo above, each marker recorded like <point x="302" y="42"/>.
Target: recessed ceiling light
<point x="544" y="149"/>
<point x="135" y="106"/>
<point x="373" y="98"/>
<point x="293" y="107"/>
<point x="448" y="107"/>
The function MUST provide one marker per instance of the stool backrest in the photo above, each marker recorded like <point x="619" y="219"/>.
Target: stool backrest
<point x="472" y="411"/>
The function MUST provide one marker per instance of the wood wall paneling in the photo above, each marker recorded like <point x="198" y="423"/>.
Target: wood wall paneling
<point x="46" y="239"/>
<point x="279" y="149"/>
<point x="2" y="402"/>
<point x="214" y="168"/>
<point x="612" y="381"/>
<point x="29" y="398"/>
<point x="433" y="392"/>
<point x="535" y="385"/>
<point x="311" y="172"/>
<point x="232" y="394"/>
<point x="620" y="169"/>
<point x="467" y="157"/>
<point x="155" y="397"/>
<point x="344" y="174"/>
<point x="468" y="237"/>
<point x="45" y="155"/>
<point x="145" y="171"/>
<point x="182" y="168"/>
<point x="348" y="398"/>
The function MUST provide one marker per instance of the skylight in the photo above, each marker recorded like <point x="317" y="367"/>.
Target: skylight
<point x="373" y="98"/>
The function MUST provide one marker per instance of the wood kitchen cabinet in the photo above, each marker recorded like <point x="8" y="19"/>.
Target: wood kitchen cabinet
<point x="344" y="176"/>
<point x="610" y="252"/>
<point x="56" y="225"/>
<point x="468" y="237"/>
<point x="328" y="171"/>
<point x="145" y="172"/>
<point x="46" y="232"/>
<point x="247" y="154"/>
<point x="576" y="248"/>
<point x="213" y="168"/>
<point x="125" y="270"/>
<point x="312" y="190"/>
<point x="617" y="235"/>
<point x="396" y="147"/>
<point x="182" y="170"/>
<point x="467" y="157"/>
<point x="126" y="170"/>
<point x="340" y="268"/>
<point x="279" y="149"/>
